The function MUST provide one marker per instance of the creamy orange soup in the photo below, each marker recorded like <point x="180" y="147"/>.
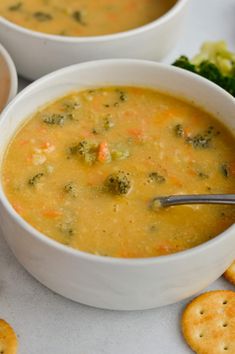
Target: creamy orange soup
<point x="4" y="83"/>
<point x="84" y="170"/>
<point x="83" y="17"/>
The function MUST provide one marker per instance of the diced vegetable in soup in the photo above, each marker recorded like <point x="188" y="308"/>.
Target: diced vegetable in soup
<point x="84" y="169"/>
<point x="83" y="17"/>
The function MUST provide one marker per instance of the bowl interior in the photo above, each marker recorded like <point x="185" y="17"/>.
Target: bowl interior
<point x="8" y="78"/>
<point x="174" y="81"/>
<point x="171" y="80"/>
<point x="174" y="9"/>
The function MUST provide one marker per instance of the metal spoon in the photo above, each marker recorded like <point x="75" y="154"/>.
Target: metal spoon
<point x="171" y="200"/>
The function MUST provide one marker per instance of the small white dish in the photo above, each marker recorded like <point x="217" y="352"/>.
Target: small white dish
<point x="105" y="282"/>
<point x="37" y="54"/>
<point x="8" y="78"/>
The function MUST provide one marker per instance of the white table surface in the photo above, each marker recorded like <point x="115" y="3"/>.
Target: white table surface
<point x="47" y="323"/>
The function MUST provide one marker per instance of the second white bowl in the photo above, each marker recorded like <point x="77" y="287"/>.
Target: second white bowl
<point x="8" y="78"/>
<point x="37" y="54"/>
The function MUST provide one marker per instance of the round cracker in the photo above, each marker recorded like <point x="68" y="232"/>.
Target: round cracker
<point x="208" y="323"/>
<point x="230" y="273"/>
<point x="8" y="339"/>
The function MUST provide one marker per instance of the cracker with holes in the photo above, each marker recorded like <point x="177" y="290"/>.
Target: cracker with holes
<point x="8" y="339"/>
<point x="230" y="273"/>
<point x="208" y="323"/>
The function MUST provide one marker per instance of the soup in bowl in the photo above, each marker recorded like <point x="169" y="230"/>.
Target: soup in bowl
<point x="107" y="152"/>
<point x="86" y="149"/>
<point x="8" y="78"/>
<point x="67" y="32"/>
<point x="83" y="18"/>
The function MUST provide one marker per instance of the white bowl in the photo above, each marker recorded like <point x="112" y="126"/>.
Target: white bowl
<point x="37" y="54"/>
<point x="123" y="284"/>
<point x="9" y="73"/>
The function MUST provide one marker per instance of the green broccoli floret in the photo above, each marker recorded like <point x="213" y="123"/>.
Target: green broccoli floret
<point x="54" y="119"/>
<point x="225" y="170"/>
<point x="228" y="84"/>
<point x="123" y="96"/>
<point x="42" y="16"/>
<point x="16" y="7"/>
<point x="179" y="130"/>
<point x="202" y="140"/>
<point x="84" y="147"/>
<point x="216" y="53"/>
<point x="184" y="63"/>
<point x="215" y="63"/>
<point x="118" y="183"/>
<point x="71" y="189"/>
<point x="210" y="72"/>
<point x="78" y="16"/>
<point x="108" y="122"/>
<point x="156" y="177"/>
<point x="86" y="150"/>
<point x="120" y="152"/>
<point x="35" y="179"/>
<point x="58" y="119"/>
<point x="199" y="141"/>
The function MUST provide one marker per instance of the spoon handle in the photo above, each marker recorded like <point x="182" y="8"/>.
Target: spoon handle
<point x="197" y="199"/>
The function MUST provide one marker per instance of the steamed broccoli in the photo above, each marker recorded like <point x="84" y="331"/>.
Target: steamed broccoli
<point x="35" y="179"/>
<point x="215" y="63"/>
<point x="156" y="177"/>
<point x="87" y="150"/>
<point x="183" y="62"/>
<point x="71" y="189"/>
<point x="54" y="119"/>
<point x="216" y="53"/>
<point x="118" y="183"/>
<point x="91" y="152"/>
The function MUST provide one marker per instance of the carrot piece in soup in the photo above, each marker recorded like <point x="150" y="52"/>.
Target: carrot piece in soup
<point x="51" y="214"/>
<point x="103" y="152"/>
<point x="137" y="133"/>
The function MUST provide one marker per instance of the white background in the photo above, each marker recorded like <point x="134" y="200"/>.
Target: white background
<point x="49" y="324"/>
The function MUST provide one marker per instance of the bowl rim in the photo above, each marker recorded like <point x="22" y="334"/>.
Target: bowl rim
<point x="12" y="72"/>
<point x="130" y="262"/>
<point x="173" y="11"/>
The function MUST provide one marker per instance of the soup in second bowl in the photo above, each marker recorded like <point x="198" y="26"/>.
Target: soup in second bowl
<point x="83" y="17"/>
<point x="84" y="169"/>
<point x="4" y="82"/>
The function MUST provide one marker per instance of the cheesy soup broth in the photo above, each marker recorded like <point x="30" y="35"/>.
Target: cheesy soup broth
<point x="93" y="161"/>
<point x="4" y="82"/>
<point x="83" y="17"/>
